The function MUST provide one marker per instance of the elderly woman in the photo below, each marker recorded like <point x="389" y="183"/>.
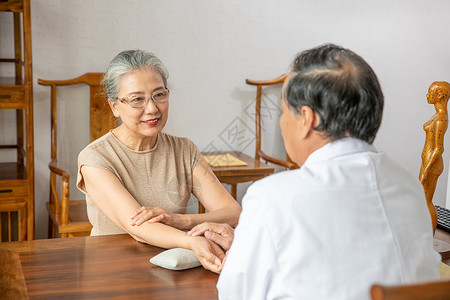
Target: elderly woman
<point x="136" y="178"/>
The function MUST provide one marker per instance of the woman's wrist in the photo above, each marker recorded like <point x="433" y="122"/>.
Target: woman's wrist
<point x="191" y="242"/>
<point x="186" y="221"/>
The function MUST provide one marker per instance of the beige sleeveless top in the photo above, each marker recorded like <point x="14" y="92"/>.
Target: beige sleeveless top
<point x="160" y="177"/>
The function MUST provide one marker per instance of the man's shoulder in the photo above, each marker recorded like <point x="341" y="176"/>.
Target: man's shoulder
<point x="271" y="186"/>
<point x="280" y="177"/>
<point x="296" y="177"/>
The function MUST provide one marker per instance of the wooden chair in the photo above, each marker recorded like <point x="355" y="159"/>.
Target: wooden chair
<point x="255" y="169"/>
<point x="259" y="153"/>
<point x="435" y="290"/>
<point x="13" y="222"/>
<point x="432" y="163"/>
<point x="69" y="217"/>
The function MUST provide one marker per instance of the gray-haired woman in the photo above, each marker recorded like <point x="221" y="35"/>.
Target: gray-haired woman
<point x="137" y="170"/>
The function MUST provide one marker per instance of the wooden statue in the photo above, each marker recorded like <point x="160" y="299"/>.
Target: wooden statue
<point x="432" y="162"/>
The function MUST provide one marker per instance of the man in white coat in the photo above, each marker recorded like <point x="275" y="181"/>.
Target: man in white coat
<point x="349" y="217"/>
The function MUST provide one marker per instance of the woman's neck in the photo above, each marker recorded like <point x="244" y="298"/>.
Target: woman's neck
<point x="133" y="141"/>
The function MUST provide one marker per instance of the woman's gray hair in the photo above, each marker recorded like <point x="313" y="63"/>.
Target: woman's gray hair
<point x="127" y="61"/>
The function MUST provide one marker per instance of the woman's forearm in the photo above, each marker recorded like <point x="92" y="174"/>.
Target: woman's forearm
<point x="164" y="236"/>
<point x="229" y="214"/>
<point x="159" y="235"/>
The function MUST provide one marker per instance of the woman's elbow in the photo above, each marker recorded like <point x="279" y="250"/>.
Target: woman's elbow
<point x="137" y="238"/>
<point x="236" y="211"/>
<point x="133" y="232"/>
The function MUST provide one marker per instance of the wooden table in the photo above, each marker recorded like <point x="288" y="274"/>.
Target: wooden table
<point x="101" y="267"/>
<point x="254" y="170"/>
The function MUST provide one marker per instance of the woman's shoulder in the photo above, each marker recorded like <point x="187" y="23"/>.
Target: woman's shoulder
<point x="177" y="141"/>
<point x="100" y="145"/>
<point x="100" y="142"/>
<point x="182" y="148"/>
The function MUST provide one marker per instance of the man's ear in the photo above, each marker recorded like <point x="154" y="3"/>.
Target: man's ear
<point x="308" y="121"/>
<point x="113" y="107"/>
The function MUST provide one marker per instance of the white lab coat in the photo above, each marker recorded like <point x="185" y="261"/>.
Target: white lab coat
<point x="349" y="218"/>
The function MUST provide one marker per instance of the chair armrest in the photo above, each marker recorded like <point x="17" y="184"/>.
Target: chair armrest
<point x="61" y="205"/>
<point x="277" y="80"/>
<point x="283" y="163"/>
<point x="58" y="171"/>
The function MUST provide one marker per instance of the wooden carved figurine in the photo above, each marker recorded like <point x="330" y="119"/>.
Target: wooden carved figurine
<point x="432" y="162"/>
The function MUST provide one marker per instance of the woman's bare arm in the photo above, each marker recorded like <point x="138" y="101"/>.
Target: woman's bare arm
<point x="116" y="202"/>
<point x="221" y="207"/>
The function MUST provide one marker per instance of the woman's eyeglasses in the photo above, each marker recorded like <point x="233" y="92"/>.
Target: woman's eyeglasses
<point x="137" y="101"/>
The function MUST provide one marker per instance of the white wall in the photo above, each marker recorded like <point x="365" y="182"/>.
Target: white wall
<point x="210" y="47"/>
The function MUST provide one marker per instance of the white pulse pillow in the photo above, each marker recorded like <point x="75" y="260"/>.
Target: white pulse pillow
<point x="176" y="259"/>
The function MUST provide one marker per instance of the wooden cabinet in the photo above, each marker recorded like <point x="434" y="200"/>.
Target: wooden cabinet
<point x="17" y="176"/>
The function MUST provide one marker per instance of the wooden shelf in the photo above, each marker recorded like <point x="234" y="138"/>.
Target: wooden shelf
<point x="12" y="96"/>
<point x="12" y="171"/>
<point x="8" y="82"/>
<point x="11" y="5"/>
<point x="17" y="178"/>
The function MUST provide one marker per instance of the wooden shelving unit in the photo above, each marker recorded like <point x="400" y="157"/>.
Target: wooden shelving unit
<point x="16" y="92"/>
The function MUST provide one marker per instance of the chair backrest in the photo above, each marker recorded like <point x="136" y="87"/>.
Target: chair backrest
<point x="101" y="120"/>
<point x="435" y="290"/>
<point x="259" y="153"/>
<point x="432" y="164"/>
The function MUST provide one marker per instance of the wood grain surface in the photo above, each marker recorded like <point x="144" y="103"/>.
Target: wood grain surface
<point x="104" y="267"/>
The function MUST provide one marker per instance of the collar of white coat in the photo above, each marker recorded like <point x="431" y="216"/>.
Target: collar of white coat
<point x="340" y="147"/>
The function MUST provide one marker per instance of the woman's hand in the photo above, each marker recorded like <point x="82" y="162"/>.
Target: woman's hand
<point x="208" y="253"/>
<point x="158" y="214"/>
<point x="221" y="234"/>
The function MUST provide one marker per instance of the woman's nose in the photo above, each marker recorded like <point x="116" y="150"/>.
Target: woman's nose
<point x="151" y="107"/>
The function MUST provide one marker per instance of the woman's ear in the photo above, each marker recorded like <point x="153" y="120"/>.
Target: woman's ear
<point x="113" y="107"/>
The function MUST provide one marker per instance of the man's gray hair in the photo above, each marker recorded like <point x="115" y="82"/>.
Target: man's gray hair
<point x="341" y="88"/>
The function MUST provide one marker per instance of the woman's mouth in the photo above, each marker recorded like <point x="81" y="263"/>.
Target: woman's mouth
<point x="151" y="122"/>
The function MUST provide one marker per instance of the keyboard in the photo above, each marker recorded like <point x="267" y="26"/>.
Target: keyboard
<point x="443" y="221"/>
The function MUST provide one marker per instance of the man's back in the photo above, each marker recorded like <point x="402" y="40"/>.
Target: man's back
<point x="348" y="218"/>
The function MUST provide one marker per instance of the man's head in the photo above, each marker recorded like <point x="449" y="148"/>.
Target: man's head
<point x="331" y="93"/>
<point x="341" y="88"/>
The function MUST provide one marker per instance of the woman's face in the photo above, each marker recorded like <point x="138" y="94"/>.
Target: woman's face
<point x="146" y="121"/>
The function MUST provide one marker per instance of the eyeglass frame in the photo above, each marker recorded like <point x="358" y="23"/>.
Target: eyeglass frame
<point x="147" y="98"/>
